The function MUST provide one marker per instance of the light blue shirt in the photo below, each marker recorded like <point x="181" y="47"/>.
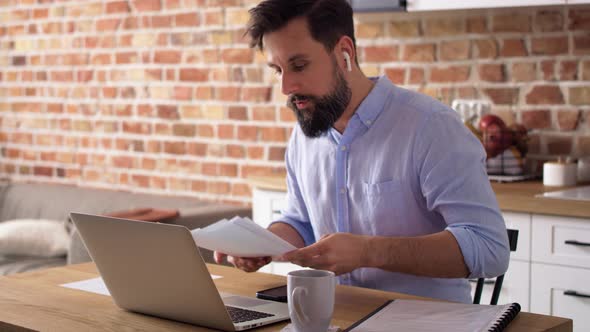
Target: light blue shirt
<point x="404" y="166"/>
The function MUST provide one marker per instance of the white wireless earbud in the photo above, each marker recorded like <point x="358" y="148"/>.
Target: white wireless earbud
<point x="347" y="60"/>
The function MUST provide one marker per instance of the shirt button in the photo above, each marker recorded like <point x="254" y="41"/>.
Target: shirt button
<point x="343" y="148"/>
<point x="343" y="190"/>
<point x="368" y="122"/>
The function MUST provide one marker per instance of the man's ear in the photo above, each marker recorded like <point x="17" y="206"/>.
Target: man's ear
<point x="347" y="50"/>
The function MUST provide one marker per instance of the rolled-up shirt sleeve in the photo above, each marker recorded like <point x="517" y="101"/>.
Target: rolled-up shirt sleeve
<point x="295" y="213"/>
<point x="454" y="182"/>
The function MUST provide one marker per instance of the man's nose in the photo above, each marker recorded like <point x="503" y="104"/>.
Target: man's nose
<point x="288" y="84"/>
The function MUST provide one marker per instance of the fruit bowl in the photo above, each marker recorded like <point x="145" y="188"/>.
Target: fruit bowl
<point x="505" y="146"/>
<point x="508" y="162"/>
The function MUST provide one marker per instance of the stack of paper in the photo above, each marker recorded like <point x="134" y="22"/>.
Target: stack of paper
<point x="241" y="237"/>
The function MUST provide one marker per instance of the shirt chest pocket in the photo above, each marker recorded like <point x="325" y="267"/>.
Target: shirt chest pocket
<point x="383" y="203"/>
<point x="381" y="188"/>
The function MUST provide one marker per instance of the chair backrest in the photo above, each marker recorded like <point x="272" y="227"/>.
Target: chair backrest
<point x="512" y="240"/>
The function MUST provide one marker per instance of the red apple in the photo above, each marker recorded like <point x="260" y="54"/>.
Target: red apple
<point x="496" y="137"/>
<point x="490" y="119"/>
<point x="493" y="141"/>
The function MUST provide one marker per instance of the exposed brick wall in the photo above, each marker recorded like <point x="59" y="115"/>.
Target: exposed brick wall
<point x="165" y="96"/>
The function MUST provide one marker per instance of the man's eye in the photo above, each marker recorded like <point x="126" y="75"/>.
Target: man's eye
<point x="299" y="67"/>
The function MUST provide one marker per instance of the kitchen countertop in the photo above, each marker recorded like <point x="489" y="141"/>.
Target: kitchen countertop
<point x="512" y="197"/>
<point x="520" y="197"/>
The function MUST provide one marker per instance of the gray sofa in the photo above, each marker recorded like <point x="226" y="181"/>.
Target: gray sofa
<point x="55" y="202"/>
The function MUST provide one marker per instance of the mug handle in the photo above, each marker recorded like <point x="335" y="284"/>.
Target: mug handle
<point x="296" y="295"/>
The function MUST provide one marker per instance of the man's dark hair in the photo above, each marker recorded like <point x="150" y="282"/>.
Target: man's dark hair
<point x="328" y="20"/>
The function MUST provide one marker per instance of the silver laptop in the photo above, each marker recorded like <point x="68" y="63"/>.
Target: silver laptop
<point x="156" y="269"/>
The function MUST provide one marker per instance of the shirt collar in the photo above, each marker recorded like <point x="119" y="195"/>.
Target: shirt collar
<point x="374" y="102"/>
<point x="371" y="106"/>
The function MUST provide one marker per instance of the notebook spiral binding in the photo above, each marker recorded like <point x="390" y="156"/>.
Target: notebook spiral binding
<point x="506" y="318"/>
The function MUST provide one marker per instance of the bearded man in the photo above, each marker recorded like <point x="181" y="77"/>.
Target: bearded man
<point x="386" y="187"/>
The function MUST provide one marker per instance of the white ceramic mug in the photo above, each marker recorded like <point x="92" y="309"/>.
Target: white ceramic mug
<point x="311" y="299"/>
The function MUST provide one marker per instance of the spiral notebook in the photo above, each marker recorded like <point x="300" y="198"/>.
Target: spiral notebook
<point x="431" y="316"/>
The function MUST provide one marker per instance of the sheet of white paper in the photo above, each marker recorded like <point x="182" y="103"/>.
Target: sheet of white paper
<point x="96" y="285"/>
<point x="264" y="233"/>
<point x="268" y="238"/>
<point x="240" y="237"/>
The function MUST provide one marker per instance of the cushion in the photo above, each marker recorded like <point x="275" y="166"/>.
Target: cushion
<point x="18" y="264"/>
<point x="33" y="237"/>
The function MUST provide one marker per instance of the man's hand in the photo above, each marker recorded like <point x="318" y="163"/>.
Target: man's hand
<point x="285" y="231"/>
<point x="242" y="263"/>
<point x="338" y="252"/>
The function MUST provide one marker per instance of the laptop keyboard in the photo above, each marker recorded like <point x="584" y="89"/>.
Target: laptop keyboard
<point x="239" y="315"/>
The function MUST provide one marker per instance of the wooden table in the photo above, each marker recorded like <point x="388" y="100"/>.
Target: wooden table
<point x="35" y="301"/>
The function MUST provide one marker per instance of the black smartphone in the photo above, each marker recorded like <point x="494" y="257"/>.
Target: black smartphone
<point x="278" y="294"/>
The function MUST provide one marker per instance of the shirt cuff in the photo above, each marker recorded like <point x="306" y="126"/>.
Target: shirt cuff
<point x="467" y="247"/>
<point x="303" y="228"/>
<point x="483" y="260"/>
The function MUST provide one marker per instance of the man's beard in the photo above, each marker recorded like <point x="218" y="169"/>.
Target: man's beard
<point x="322" y="112"/>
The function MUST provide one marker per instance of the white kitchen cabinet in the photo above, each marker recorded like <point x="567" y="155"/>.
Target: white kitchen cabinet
<point x="515" y="287"/>
<point x="561" y="241"/>
<point x="551" y="284"/>
<point x="267" y="205"/>
<point x="522" y="223"/>
<point x="560" y="268"/>
<point x="426" y="5"/>
<point x="552" y="257"/>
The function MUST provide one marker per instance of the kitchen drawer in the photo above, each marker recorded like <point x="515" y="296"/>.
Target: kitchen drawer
<point x="515" y="287"/>
<point x="277" y="203"/>
<point x="267" y="205"/>
<point x="561" y="240"/>
<point x="550" y="283"/>
<point x="521" y="222"/>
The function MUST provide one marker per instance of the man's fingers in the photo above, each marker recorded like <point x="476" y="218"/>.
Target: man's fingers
<point x="259" y="262"/>
<point x="248" y="264"/>
<point x="251" y="265"/>
<point x="321" y="261"/>
<point x="317" y="262"/>
<point x="240" y="263"/>
<point x="285" y="257"/>
<point x="219" y="256"/>
<point x="304" y="254"/>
